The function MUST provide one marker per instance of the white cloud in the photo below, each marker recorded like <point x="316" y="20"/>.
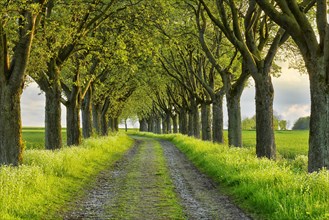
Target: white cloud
<point x="294" y="112"/>
<point x="33" y="107"/>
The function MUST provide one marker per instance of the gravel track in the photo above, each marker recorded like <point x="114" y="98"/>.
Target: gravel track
<point x="128" y="190"/>
<point x="199" y="195"/>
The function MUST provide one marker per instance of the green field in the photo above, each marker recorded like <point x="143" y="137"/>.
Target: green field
<point x="289" y="143"/>
<point x="34" y="137"/>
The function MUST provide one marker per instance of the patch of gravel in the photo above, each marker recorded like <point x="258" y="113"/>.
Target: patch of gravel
<point x="199" y="195"/>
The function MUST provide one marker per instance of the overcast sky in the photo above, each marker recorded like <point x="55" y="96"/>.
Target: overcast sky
<point x="291" y="100"/>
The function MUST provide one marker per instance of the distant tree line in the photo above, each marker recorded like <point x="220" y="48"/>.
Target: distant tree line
<point x="250" y="123"/>
<point x="302" y="123"/>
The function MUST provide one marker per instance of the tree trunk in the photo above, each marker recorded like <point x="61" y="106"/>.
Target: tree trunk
<point x="265" y="141"/>
<point x="205" y="122"/>
<point x="196" y="120"/>
<point x="217" y="119"/>
<point x="96" y="118"/>
<point x="150" y="122"/>
<point x="111" y="124"/>
<point x="53" y="127"/>
<point x="104" y="118"/>
<point x="11" y="144"/>
<point x="126" y="125"/>
<point x="104" y="125"/>
<point x="183" y="122"/>
<point x="164" y="125"/>
<point x="116" y="124"/>
<point x="318" y="155"/>
<point x="143" y="125"/>
<point x="86" y="109"/>
<point x="190" y="128"/>
<point x="73" y="132"/>
<point x="168" y="123"/>
<point x="175" y="124"/>
<point x="234" y="120"/>
<point x="157" y="125"/>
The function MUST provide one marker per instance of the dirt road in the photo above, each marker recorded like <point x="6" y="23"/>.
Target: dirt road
<point x="154" y="180"/>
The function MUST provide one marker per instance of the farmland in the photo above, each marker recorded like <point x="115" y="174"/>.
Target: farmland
<point x="289" y="143"/>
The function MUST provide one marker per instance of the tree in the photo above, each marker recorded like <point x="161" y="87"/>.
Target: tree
<point x="18" y="23"/>
<point x="312" y="39"/>
<point x="302" y="123"/>
<point x="249" y="123"/>
<point x="283" y="125"/>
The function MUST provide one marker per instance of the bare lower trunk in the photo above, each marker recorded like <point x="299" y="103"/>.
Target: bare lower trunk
<point x="265" y="141"/>
<point x="168" y="123"/>
<point x="111" y="124"/>
<point x="318" y="155"/>
<point x="157" y="125"/>
<point x="217" y="119"/>
<point x="87" y="128"/>
<point x="143" y="125"/>
<point x="73" y="131"/>
<point x="234" y="121"/>
<point x="11" y="144"/>
<point x="164" y="125"/>
<point x="190" y="128"/>
<point x="205" y="122"/>
<point x="53" y="127"/>
<point x="175" y="124"/>
<point x="183" y="122"/>
<point x="104" y="127"/>
<point x="150" y="123"/>
<point x="96" y="108"/>
<point x="196" y="121"/>
<point x="116" y="124"/>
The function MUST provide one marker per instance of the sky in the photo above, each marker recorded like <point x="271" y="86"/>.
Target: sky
<point x="291" y="100"/>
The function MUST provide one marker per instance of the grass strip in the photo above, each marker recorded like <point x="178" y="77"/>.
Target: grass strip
<point x="48" y="179"/>
<point x="146" y="191"/>
<point x="269" y="189"/>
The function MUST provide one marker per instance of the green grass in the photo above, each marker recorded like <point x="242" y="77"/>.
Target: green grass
<point x="48" y="179"/>
<point x="148" y="180"/>
<point x="290" y="144"/>
<point x="268" y="189"/>
<point x="34" y="137"/>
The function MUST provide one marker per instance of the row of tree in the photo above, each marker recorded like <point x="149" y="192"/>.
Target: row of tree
<point x="88" y="55"/>
<point x="162" y="61"/>
<point x="215" y="46"/>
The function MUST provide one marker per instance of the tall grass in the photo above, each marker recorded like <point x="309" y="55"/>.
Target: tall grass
<point x="269" y="189"/>
<point x="48" y="179"/>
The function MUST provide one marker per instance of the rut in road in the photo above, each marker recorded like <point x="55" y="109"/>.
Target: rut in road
<point x="154" y="180"/>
